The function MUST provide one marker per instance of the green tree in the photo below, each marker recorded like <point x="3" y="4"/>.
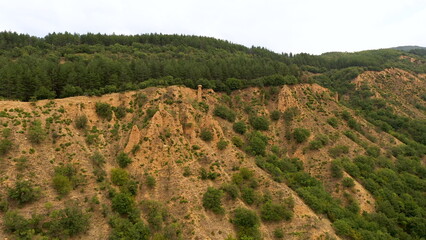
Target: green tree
<point x="212" y="200"/>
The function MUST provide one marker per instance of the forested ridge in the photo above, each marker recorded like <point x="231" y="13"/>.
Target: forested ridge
<point x="64" y="64"/>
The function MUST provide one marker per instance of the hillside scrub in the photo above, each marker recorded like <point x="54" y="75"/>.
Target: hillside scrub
<point x="225" y="113"/>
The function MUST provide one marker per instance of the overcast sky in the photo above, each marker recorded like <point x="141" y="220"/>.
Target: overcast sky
<point x="312" y="26"/>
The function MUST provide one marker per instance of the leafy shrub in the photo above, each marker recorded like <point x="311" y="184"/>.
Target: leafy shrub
<point x="259" y="123"/>
<point x="81" y="122"/>
<point x="373" y="151"/>
<point x="336" y="169"/>
<point x="120" y="112"/>
<point x="237" y="141"/>
<point x="319" y="142"/>
<point x="301" y="134"/>
<point x="36" y="133"/>
<point x="338" y="151"/>
<point x="119" y="176"/>
<point x="150" y="181"/>
<point x="123" y="159"/>
<point x="247" y="224"/>
<point x="275" y="115"/>
<point x="122" y="203"/>
<point x="290" y="114"/>
<point x="212" y="200"/>
<point x="68" y="222"/>
<point x="256" y="144"/>
<point x="240" y="127"/>
<point x="273" y="212"/>
<point x="231" y="190"/>
<point x="5" y="146"/>
<point x="248" y="195"/>
<point x="278" y="233"/>
<point x="225" y="113"/>
<point x="98" y="161"/>
<point x="348" y="182"/>
<point x="24" y="192"/>
<point x="123" y="228"/>
<point x="156" y="213"/>
<point x="206" y="135"/>
<point x="62" y="185"/>
<point x="66" y="178"/>
<point x="333" y="122"/>
<point x="104" y="110"/>
<point x="222" y="144"/>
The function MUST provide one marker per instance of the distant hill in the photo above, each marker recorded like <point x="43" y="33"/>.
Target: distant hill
<point x="408" y="48"/>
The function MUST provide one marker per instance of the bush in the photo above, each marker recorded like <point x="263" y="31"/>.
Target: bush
<point x="259" y="123"/>
<point x="206" y="135"/>
<point x="222" y="144"/>
<point x="319" y="142"/>
<point x="15" y="223"/>
<point x="122" y="203"/>
<point x="123" y="228"/>
<point x="104" y="110"/>
<point x="248" y="195"/>
<point x="240" y="127"/>
<point x="24" y="192"/>
<point x="119" y="176"/>
<point x="348" y="182"/>
<point x="225" y="113"/>
<point x="338" y="151"/>
<point x="272" y="212"/>
<point x="5" y="146"/>
<point x="212" y="200"/>
<point x="156" y="213"/>
<point x="81" y="122"/>
<point x="36" y="133"/>
<point x="68" y="222"/>
<point x="290" y="114"/>
<point x="247" y="223"/>
<point x="336" y="169"/>
<point x="275" y="115"/>
<point x="150" y="181"/>
<point x="231" y="190"/>
<point x="301" y="134"/>
<point x="120" y="112"/>
<point x="333" y="122"/>
<point x="256" y="143"/>
<point x="62" y="185"/>
<point x="278" y="233"/>
<point x="238" y="142"/>
<point x="123" y="160"/>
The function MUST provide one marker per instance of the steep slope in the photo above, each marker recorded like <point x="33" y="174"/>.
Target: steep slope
<point x="160" y="130"/>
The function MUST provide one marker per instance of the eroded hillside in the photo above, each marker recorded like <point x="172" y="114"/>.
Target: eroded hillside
<point x="250" y="150"/>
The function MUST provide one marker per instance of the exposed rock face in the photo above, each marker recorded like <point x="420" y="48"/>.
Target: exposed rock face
<point x="134" y="139"/>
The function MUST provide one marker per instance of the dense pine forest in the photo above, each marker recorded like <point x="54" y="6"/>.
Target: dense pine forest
<point x="62" y="65"/>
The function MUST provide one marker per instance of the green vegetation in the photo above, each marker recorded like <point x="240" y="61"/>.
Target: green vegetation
<point x="246" y="223"/>
<point x="104" y="110"/>
<point x="212" y="200"/>
<point x="123" y="159"/>
<point x="222" y="144"/>
<point x="123" y="203"/>
<point x="36" y="133"/>
<point x="206" y="135"/>
<point x="301" y="134"/>
<point x="81" y="122"/>
<point x="275" y="115"/>
<point x="240" y="127"/>
<point x="58" y="224"/>
<point x="259" y="123"/>
<point x="225" y="113"/>
<point x="66" y="179"/>
<point x="5" y="146"/>
<point x="24" y="192"/>
<point x="256" y="143"/>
